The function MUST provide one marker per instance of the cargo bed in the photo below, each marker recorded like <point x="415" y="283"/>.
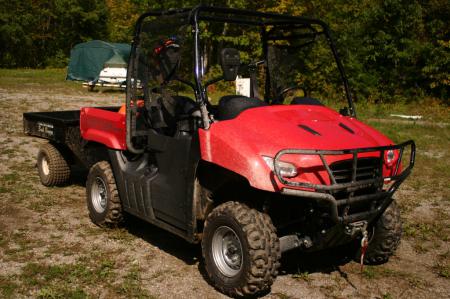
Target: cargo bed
<point x="54" y="125"/>
<point x="61" y="128"/>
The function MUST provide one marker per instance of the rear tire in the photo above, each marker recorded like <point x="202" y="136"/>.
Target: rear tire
<point x="103" y="202"/>
<point x="384" y="237"/>
<point x="52" y="167"/>
<point x="241" y="250"/>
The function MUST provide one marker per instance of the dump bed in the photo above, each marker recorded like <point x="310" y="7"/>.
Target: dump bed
<point x="63" y="128"/>
<point x="57" y="126"/>
<point x="52" y="125"/>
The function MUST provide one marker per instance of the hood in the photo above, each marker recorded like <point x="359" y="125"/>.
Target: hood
<point x="238" y="144"/>
<point x="273" y="128"/>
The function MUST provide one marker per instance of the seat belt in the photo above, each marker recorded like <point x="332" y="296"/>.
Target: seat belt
<point x="254" y="90"/>
<point x="254" y="93"/>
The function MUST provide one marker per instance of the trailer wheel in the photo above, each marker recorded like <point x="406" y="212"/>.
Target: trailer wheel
<point x="241" y="250"/>
<point x="103" y="200"/>
<point x="52" y="167"/>
<point x="384" y="237"/>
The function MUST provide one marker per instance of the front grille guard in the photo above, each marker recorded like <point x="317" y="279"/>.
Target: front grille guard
<point x="323" y="192"/>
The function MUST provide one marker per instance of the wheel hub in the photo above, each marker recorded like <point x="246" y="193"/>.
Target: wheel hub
<point x="99" y="195"/>
<point x="227" y="251"/>
<point x="44" y="165"/>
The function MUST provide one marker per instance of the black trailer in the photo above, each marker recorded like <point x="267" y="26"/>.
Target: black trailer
<point x="66" y="147"/>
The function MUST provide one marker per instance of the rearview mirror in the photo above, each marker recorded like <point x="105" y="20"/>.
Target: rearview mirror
<point x="230" y="62"/>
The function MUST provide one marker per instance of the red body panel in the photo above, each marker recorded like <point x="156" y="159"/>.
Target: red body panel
<point x="239" y="144"/>
<point x="103" y="126"/>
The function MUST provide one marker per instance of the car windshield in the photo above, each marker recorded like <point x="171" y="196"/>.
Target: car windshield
<point x="276" y="61"/>
<point x="163" y="57"/>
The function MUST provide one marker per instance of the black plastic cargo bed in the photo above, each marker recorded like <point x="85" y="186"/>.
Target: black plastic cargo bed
<point x="53" y="125"/>
<point x="62" y="128"/>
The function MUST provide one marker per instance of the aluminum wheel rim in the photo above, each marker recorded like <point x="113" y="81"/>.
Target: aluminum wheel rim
<point x="44" y="166"/>
<point x="98" y="195"/>
<point x="227" y="251"/>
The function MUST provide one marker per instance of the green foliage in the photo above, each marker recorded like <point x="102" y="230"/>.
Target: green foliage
<point x="39" y="34"/>
<point x="392" y="49"/>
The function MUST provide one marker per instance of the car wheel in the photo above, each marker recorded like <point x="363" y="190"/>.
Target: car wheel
<point x="241" y="250"/>
<point x="52" y="167"/>
<point x="105" y="208"/>
<point x="384" y="237"/>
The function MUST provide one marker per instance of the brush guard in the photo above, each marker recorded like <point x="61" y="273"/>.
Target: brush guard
<point x="326" y="193"/>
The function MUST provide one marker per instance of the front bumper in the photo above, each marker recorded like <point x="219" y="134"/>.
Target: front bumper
<point x="383" y="186"/>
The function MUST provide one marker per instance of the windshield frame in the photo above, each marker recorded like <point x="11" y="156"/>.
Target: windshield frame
<point x="247" y="17"/>
<point x="234" y="16"/>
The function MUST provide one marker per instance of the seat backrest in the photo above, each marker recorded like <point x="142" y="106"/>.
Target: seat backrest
<point x="306" y="101"/>
<point x="232" y="105"/>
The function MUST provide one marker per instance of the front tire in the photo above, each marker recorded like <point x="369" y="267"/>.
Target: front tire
<point x="52" y="166"/>
<point x="241" y="250"/>
<point x="103" y="202"/>
<point x="384" y="237"/>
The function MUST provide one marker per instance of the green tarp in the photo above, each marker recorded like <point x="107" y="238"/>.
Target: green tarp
<point x="88" y="59"/>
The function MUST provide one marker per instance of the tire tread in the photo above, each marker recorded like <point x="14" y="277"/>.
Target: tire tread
<point x="388" y="232"/>
<point x="114" y="214"/>
<point x="264" y="248"/>
<point x="59" y="170"/>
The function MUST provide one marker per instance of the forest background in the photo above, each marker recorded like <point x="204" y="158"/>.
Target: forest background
<point x="393" y="50"/>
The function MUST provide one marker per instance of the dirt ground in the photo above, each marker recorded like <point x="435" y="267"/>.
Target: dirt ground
<point x="50" y="249"/>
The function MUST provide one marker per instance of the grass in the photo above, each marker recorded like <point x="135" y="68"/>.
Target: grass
<point x="36" y="79"/>
<point x="381" y="272"/>
<point x="56" y="292"/>
<point x="57" y="281"/>
<point x="131" y="286"/>
<point x="442" y="266"/>
<point x="442" y="270"/>
<point x="423" y="231"/>
<point x="67" y="280"/>
<point x="430" y="109"/>
<point x="121" y="235"/>
<point x="7" y="286"/>
<point x="281" y="296"/>
<point x="387" y="296"/>
<point x="430" y="176"/>
<point x="19" y="245"/>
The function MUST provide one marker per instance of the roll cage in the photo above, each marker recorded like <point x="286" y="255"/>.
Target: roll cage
<point x="268" y="22"/>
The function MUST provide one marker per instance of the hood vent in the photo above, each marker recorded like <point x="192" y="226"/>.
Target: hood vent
<point x="309" y="130"/>
<point x="346" y="128"/>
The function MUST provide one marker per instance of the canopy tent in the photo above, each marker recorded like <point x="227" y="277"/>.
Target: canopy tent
<point x="88" y="59"/>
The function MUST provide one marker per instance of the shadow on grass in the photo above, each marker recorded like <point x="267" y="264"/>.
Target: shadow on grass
<point x="164" y="240"/>
<point x="324" y="261"/>
<point x="78" y="175"/>
<point x="293" y="262"/>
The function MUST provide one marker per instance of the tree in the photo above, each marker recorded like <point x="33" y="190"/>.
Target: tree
<point x="37" y="34"/>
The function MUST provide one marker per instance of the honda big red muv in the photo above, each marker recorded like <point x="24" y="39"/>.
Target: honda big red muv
<point x="265" y="171"/>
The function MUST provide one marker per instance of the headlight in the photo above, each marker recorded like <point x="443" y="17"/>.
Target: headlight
<point x="287" y="170"/>
<point x="389" y="157"/>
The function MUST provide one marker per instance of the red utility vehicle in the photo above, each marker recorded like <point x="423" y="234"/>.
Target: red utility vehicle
<point x="249" y="178"/>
